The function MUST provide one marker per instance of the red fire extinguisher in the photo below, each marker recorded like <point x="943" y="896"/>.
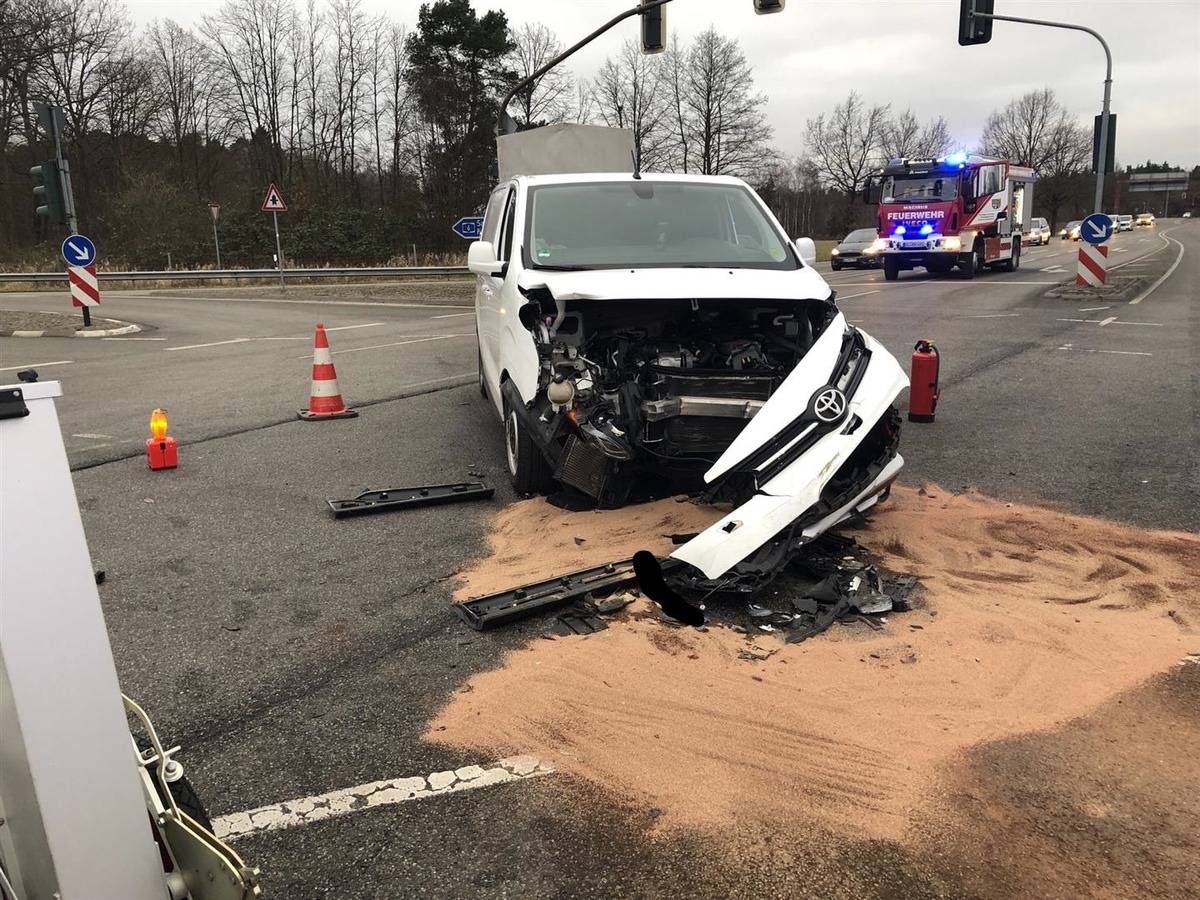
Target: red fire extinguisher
<point x="923" y="389"/>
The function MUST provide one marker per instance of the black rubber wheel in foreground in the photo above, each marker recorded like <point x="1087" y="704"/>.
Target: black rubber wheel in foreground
<point x="526" y="466"/>
<point x="182" y="792"/>
<point x="891" y="270"/>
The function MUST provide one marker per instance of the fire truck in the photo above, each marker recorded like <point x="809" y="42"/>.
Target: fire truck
<point x="961" y="211"/>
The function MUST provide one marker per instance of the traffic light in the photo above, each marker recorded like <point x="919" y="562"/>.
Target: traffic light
<point x="654" y="28"/>
<point x="49" y="194"/>
<point x="971" y="28"/>
<point x="766" y="7"/>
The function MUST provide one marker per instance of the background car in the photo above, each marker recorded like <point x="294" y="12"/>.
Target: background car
<point x="1070" y="231"/>
<point x="856" y="249"/>
<point x="1039" y="232"/>
<point x="1125" y="223"/>
<point x="1145" y="218"/>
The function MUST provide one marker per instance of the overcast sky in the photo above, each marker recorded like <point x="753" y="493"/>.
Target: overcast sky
<point x="906" y="53"/>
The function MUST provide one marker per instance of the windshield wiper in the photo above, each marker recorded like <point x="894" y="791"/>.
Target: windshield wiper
<point x="563" y="268"/>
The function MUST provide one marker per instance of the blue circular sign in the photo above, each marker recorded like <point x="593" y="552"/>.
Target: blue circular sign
<point x="78" y="250"/>
<point x="1096" y="228"/>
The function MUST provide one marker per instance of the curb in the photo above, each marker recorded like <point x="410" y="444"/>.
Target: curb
<point x="72" y="332"/>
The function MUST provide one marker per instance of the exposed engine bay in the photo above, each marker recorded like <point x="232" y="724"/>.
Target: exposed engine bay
<point x="645" y="396"/>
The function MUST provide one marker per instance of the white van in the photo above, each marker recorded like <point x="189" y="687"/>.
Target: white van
<point x="1039" y="232"/>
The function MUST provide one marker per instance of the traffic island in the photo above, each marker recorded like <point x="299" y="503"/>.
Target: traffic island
<point x="20" y="323"/>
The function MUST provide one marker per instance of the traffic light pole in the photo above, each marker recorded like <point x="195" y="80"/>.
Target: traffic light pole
<point x="1102" y="156"/>
<point x="505" y="124"/>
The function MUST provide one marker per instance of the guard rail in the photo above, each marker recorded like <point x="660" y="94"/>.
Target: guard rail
<point x="216" y="274"/>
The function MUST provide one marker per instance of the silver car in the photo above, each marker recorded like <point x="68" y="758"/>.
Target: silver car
<point x="1039" y="232"/>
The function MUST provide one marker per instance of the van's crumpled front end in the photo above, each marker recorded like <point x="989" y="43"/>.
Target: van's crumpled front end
<point x="776" y="405"/>
<point x="824" y="448"/>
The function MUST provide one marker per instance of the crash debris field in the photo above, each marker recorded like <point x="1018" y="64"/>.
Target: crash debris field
<point x="1028" y="619"/>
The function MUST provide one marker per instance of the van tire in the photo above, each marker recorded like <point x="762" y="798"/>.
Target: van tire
<point x="891" y="269"/>
<point x="527" y="467"/>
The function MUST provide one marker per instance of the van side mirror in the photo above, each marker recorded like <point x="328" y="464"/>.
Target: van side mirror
<point x="868" y="192"/>
<point x="807" y="249"/>
<point x="1002" y="215"/>
<point x="481" y="259"/>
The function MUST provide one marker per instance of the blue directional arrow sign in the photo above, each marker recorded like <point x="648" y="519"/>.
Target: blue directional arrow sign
<point x="78" y="250"/>
<point x="469" y="227"/>
<point x="1096" y="228"/>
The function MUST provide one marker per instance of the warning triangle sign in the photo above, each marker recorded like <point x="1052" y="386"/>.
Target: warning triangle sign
<point x="273" y="202"/>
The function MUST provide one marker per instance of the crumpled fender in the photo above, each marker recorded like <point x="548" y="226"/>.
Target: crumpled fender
<point x="797" y="488"/>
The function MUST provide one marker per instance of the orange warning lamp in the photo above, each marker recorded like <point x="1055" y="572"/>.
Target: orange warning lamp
<point x="158" y="424"/>
<point x="161" y="451"/>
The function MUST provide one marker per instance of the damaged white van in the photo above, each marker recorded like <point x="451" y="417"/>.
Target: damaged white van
<point x="640" y="334"/>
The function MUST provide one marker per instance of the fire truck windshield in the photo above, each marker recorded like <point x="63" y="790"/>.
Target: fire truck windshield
<point x="918" y="188"/>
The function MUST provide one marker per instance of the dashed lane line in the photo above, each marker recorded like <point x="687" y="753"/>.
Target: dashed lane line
<point x="852" y="296"/>
<point x="422" y="340"/>
<point x="453" y="315"/>
<point x="61" y="362"/>
<point x="374" y="795"/>
<point x="212" y="344"/>
<point x="994" y="316"/>
<point x="1075" y="349"/>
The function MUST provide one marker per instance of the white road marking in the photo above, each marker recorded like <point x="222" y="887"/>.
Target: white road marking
<point x="133" y="339"/>
<point x="374" y="795"/>
<point x="61" y="362"/>
<point x="994" y="316"/>
<point x="1094" y="308"/>
<point x="1054" y="269"/>
<point x="863" y="294"/>
<point x="213" y="344"/>
<point x="94" y="437"/>
<point x="1120" y="249"/>
<point x="452" y="315"/>
<point x="1150" y="290"/>
<point x="1151" y="324"/>
<point x="348" y="327"/>
<point x="422" y="340"/>
<point x="1107" y="321"/>
<point x="1114" y="352"/>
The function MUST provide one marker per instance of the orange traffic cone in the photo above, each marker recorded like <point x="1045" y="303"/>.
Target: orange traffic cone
<point x="325" y="401"/>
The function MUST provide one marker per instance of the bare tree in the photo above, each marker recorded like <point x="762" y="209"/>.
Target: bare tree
<point x="722" y="115"/>
<point x="627" y="94"/>
<point x="252" y="40"/>
<point x="1036" y="130"/>
<point x="904" y="136"/>
<point x="549" y="99"/>
<point x="845" y="146"/>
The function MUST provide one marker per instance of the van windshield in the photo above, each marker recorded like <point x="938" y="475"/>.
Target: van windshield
<point x="609" y="225"/>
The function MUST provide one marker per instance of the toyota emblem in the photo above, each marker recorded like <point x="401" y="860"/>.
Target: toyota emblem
<point x="829" y="405"/>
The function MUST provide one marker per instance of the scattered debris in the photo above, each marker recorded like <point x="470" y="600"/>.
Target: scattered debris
<point x="650" y="578"/>
<point x="396" y="498"/>
<point x="579" y="542"/>
<point x="508" y="605"/>
<point x="755" y="652"/>
<point x="101" y="576"/>
<point x="582" y="618"/>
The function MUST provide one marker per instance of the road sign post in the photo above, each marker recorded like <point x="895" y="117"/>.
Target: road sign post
<point x="54" y="121"/>
<point x="215" y="209"/>
<point x="273" y="203"/>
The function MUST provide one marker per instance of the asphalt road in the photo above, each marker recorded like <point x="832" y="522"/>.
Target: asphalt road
<point x="292" y="654"/>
